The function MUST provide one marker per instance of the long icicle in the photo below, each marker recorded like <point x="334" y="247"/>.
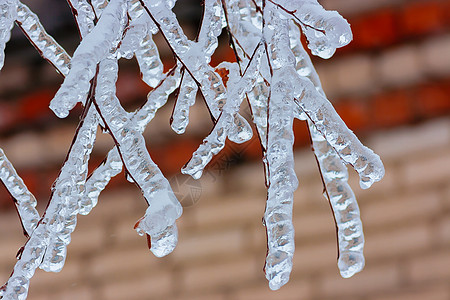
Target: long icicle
<point x="282" y="180"/>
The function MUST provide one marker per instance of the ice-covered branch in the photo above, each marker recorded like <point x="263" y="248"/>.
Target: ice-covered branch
<point x="46" y="247"/>
<point x="23" y="199"/>
<point x="325" y="30"/>
<point x="42" y="41"/>
<point x="215" y="141"/>
<point x="343" y="202"/>
<point x="320" y="111"/>
<point x="282" y="181"/>
<point x="163" y="208"/>
<point x="8" y="16"/>
<point x="95" y="46"/>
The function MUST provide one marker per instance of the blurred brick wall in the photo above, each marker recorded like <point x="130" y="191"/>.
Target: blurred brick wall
<point x="391" y="85"/>
<point x="221" y="247"/>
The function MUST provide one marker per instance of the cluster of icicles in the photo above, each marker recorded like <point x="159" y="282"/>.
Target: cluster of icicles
<point x="273" y="74"/>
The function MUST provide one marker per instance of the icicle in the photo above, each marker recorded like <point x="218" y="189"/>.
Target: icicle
<point x="94" y="47"/>
<point x="344" y="205"/>
<point x="210" y="28"/>
<point x="279" y="156"/>
<point x="191" y="55"/>
<point x="149" y="62"/>
<point x="44" y="43"/>
<point x="334" y="174"/>
<point x="215" y="141"/>
<point x="258" y="99"/>
<point x="303" y="64"/>
<point x="112" y="165"/>
<point x="245" y="25"/>
<point x="99" y="6"/>
<point x="156" y="99"/>
<point x="186" y="98"/>
<point x="46" y="246"/>
<point x="24" y="200"/>
<point x="163" y="208"/>
<point x="138" y="40"/>
<point x="84" y="15"/>
<point x="343" y="140"/>
<point x="325" y="30"/>
<point x="8" y="15"/>
<point x="97" y="182"/>
<point x="68" y="189"/>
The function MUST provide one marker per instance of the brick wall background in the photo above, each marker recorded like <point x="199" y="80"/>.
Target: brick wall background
<point x="391" y="85"/>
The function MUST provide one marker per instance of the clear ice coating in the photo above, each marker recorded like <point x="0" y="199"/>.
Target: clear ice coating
<point x="272" y="71"/>
<point x="44" y="43"/>
<point x="25" y="201"/>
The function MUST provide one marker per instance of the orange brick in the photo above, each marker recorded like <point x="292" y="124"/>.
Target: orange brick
<point x="432" y="99"/>
<point x="399" y="67"/>
<point x="70" y="275"/>
<point x="433" y="56"/>
<point x="392" y="109"/>
<point x="94" y="234"/>
<point x="443" y="231"/>
<point x="376" y="29"/>
<point x="314" y="225"/>
<point x="422" y="17"/>
<point x="354" y="113"/>
<point x="205" y="296"/>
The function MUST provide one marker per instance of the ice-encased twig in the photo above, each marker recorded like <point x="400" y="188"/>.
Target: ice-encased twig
<point x="190" y="54"/>
<point x="149" y="62"/>
<point x="185" y="99"/>
<point x="215" y="141"/>
<point x="244" y="24"/>
<point x="84" y="15"/>
<point x="320" y="111"/>
<point x="98" y="6"/>
<point x="8" y="10"/>
<point x="157" y="98"/>
<point x="282" y="180"/>
<point x="343" y="202"/>
<point x="46" y="246"/>
<point x="99" y="179"/>
<point x="112" y="164"/>
<point x="334" y="175"/>
<point x="68" y="189"/>
<point x="325" y="30"/>
<point x="138" y="41"/>
<point x="94" y="47"/>
<point x="163" y="207"/>
<point x="41" y="40"/>
<point x="23" y="199"/>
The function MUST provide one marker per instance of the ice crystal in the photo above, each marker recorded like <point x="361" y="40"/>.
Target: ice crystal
<point x="272" y="72"/>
